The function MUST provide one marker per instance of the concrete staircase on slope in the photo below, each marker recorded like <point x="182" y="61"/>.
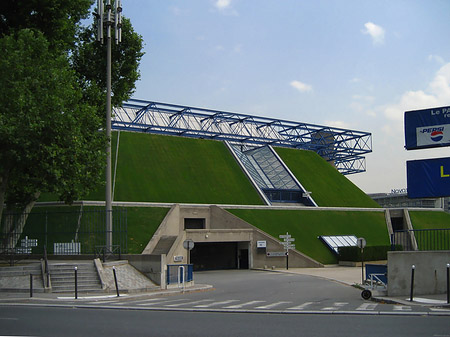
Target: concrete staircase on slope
<point x="62" y="277"/>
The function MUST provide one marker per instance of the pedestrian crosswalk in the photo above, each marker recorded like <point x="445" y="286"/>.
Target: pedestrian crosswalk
<point x="253" y="305"/>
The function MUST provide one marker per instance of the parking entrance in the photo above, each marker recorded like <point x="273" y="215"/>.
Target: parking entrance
<point x="218" y="255"/>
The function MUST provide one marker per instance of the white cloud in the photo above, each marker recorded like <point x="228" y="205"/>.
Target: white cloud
<point x="436" y="58"/>
<point x="223" y="4"/>
<point x="338" y="124"/>
<point x="300" y="86"/>
<point x="437" y="94"/>
<point x="376" y="32"/>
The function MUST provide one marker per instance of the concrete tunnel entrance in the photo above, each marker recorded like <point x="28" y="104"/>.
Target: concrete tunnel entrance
<point x="220" y="255"/>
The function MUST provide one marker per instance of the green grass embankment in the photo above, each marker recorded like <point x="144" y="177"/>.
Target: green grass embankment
<point x="429" y="219"/>
<point x="305" y="226"/>
<point x="328" y="186"/>
<point x="155" y="168"/>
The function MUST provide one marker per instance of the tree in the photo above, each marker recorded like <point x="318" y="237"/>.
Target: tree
<point x="52" y="109"/>
<point x="58" y="20"/>
<point x="49" y="137"/>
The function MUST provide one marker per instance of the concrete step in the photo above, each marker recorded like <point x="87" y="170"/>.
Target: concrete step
<point x="63" y="277"/>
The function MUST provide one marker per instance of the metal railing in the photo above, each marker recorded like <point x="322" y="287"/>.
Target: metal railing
<point x="73" y="232"/>
<point x="180" y="273"/>
<point x="422" y="239"/>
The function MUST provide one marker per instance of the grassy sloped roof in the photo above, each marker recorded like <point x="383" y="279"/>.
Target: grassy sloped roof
<point x="328" y="186"/>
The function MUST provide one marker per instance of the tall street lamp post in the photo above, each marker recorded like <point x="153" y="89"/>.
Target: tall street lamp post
<point x="109" y="16"/>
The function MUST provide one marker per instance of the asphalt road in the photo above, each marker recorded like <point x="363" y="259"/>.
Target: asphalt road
<point x="37" y="321"/>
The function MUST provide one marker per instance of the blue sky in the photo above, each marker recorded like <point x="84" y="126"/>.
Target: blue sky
<point x="353" y="64"/>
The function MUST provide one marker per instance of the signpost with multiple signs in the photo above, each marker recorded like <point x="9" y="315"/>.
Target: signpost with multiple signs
<point x="287" y="244"/>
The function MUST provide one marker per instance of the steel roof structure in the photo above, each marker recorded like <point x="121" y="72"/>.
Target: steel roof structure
<point x="343" y="147"/>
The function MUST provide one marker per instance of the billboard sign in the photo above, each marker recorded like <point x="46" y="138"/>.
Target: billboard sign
<point x="428" y="178"/>
<point x="427" y="128"/>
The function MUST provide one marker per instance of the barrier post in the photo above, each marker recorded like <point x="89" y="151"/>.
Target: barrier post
<point x="181" y="277"/>
<point x="76" y="283"/>
<point x="115" y="281"/>
<point x="448" y="282"/>
<point x="413" y="267"/>
<point x="31" y="285"/>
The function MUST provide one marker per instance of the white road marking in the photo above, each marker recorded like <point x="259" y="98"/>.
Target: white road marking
<point x="160" y="302"/>
<point x="246" y="304"/>
<point x="367" y="306"/>
<point x="273" y="305"/>
<point x="215" y="304"/>
<point x="336" y="306"/>
<point x="402" y="308"/>
<point x="187" y="303"/>
<point x="301" y="306"/>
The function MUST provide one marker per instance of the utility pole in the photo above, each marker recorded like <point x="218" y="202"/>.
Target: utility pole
<point x="109" y="16"/>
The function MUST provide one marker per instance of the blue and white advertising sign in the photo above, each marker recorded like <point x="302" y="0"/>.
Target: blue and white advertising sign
<point x="427" y="128"/>
<point x="428" y="178"/>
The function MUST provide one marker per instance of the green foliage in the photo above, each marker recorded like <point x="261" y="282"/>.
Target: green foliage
<point x="328" y="186"/>
<point x="89" y="61"/>
<point x="176" y="169"/>
<point x="52" y="103"/>
<point x="371" y="253"/>
<point x="306" y="225"/>
<point x="49" y="137"/>
<point x="57" y="19"/>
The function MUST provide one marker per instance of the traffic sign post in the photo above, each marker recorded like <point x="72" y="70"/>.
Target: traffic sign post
<point x="189" y="245"/>
<point x="287" y="245"/>
<point x="361" y="243"/>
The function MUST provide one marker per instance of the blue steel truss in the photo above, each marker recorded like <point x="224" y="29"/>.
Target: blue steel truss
<point x="342" y="147"/>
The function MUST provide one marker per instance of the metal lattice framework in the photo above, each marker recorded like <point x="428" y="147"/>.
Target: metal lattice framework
<point x="345" y="148"/>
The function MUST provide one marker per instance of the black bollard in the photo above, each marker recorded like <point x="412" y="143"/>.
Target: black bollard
<point x="31" y="285"/>
<point x="115" y="281"/>
<point x="412" y="282"/>
<point x="76" y="283"/>
<point x="448" y="282"/>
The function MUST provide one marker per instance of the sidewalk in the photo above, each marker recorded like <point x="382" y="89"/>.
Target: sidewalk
<point x="352" y="276"/>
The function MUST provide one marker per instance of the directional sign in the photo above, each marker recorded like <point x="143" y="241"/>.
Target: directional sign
<point x="276" y="254"/>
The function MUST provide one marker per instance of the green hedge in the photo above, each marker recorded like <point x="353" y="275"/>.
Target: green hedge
<point x="371" y="253"/>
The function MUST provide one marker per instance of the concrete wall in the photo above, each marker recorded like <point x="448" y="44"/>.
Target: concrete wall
<point x="430" y="274"/>
<point x="222" y="226"/>
<point x="150" y="266"/>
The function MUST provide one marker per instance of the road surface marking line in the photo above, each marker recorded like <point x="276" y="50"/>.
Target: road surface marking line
<point x="336" y="306"/>
<point x="215" y="304"/>
<point x="367" y="306"/>
<point x="238" y="306"/>
<point x="402" y="308"/>
<point x="273" y="305"/>
<point x="301" y="306"/>
<point x="187" y="303"/>
<point x="161" y="302"/>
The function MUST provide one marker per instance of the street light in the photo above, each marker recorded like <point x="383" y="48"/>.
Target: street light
<point x="109" y="16"/>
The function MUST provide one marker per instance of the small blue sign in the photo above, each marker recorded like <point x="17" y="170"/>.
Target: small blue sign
<point x="427" y="128"/>
<point x="428" y="178"/>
